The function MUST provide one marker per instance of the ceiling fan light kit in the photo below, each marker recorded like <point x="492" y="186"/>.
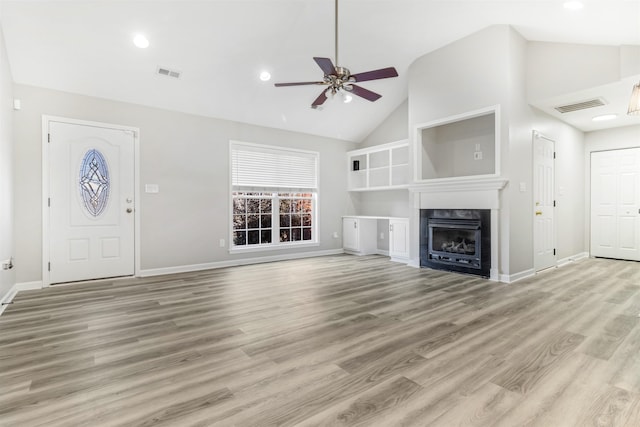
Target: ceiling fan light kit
<point x="634" y="102"/>
<point x="340" y="80"/>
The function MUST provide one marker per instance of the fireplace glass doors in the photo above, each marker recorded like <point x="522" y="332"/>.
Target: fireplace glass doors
<point x="456" y="240"/>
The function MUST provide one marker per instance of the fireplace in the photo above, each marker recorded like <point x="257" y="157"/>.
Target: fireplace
<point x="456" y="240"/>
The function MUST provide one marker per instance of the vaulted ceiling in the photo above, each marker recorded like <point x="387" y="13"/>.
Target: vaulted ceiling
<point x="220" y="48"/>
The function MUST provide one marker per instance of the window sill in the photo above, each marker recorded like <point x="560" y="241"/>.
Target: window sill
<point x="282" y="247"/>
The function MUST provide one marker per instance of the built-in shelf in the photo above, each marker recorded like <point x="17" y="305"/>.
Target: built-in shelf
<point x="382" y="167"/>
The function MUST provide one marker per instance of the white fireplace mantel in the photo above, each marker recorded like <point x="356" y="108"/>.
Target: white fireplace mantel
<point x="470" y="183"/>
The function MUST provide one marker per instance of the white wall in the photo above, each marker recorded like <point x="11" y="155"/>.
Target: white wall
<point x="187" y="156"/>
<point x="7" y="278"/>
<point x="518" y="166"/>
<point x="559" y="68"/>
<point x="602" y="140"/>
<point x="393" y="128"/>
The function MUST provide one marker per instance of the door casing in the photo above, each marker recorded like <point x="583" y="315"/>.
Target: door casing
<point x="46" y="119"/>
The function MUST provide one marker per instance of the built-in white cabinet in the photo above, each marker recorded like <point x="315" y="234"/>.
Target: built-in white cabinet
<point x="360" y="236"/>
<point x="381" y="167"/>
<point x="399" y="239"/>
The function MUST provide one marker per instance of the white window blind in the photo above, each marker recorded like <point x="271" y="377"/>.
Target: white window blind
<point x="273" y="167"/>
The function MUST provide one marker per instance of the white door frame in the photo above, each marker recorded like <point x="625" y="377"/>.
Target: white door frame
<point x="46" y="119"/>
<point x="536" y="134"/>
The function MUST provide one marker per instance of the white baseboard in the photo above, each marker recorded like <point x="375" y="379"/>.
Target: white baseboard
<point x="236" y="262"/>
<point x="577" y="257"/>
<point x="25" y="286"/>
<point x="510" y="278"/>
<point x="528" y="273"/>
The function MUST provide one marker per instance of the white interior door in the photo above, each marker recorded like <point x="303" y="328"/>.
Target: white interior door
<point x="615" y="204"/>
<point x="91" y="207"/>
<point x="544" y="200"/>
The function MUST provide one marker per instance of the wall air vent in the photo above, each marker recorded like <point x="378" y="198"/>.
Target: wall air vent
<point x="590" y="103"/>
<point x="169" y="73"/>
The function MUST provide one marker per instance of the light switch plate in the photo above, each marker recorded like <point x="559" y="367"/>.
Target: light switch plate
<point x="151" y="188"/>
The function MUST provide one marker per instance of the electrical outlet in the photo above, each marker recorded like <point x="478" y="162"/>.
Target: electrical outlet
<point x="381" y="236"/>
<point x="222" y="243"/>
<point x="477" y="155"/>
<point x="335" y="234"/>
<point x="8" y="264"/>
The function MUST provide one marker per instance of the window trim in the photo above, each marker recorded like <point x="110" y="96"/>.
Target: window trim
<point x="315" y="228"/>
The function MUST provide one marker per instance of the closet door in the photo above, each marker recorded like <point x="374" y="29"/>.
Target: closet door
<point x="615" y="204"/>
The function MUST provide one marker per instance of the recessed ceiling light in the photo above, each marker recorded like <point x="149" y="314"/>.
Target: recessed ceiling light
<point x="141" y="41"/>
<point x="573" y="5"/>
<point x="604" y="117"/>
<point x="265" y="76"/>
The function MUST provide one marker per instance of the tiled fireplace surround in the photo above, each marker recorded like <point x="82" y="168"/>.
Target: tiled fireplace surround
<point x="459" y="193"/>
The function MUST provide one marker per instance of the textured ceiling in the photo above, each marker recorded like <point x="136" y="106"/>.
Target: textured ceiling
<point x="220" y="47"/>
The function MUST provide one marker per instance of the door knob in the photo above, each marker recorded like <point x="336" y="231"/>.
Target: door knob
<point x="538" y="212"/>
<point x="129" y="210"/>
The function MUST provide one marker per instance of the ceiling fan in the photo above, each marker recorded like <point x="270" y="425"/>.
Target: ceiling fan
<point x="340" y="78"/>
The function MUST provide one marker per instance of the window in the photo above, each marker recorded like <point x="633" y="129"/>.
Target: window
<point x="274" y="196"/>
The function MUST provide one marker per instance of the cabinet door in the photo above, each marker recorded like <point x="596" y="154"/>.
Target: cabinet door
<point x="350" y="239"/>
<point x="398" y="238"/>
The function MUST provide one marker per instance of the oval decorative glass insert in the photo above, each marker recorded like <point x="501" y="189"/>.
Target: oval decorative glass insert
<point x="94" y="182"/>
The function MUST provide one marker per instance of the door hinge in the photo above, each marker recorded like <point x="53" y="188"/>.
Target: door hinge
<point x="49" y="201"/>
<point x="48" y="137"/>
<point x="554" y="251"/>
<point x="49" y="266"/>
<point x="554" y="154"/>
<point x="554" y="203"/>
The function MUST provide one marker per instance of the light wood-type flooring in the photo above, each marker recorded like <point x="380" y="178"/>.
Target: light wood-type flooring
<point x="337" y="340"/>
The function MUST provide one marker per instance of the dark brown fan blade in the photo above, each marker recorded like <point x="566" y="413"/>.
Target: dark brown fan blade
<point x="383" y="73"/>
<point x="364" y="93"/>
<point x="326" y="65"/>
<point x="320" y="99"/>
<point x="298" y="84"/>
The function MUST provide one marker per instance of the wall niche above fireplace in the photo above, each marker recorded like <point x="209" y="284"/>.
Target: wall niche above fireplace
<point x="459" y="146"/>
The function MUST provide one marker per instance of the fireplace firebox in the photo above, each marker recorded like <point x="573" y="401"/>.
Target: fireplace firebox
<point x="456" y="240"/>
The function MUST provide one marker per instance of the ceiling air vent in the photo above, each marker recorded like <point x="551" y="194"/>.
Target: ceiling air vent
<point x="591" y="103"/>
<point x="169" y="73"/>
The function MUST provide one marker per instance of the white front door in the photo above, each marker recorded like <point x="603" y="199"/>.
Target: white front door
<point x="543" y="198"/>
<point x="91" y="206"/>
<point x="615" y="204"/>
